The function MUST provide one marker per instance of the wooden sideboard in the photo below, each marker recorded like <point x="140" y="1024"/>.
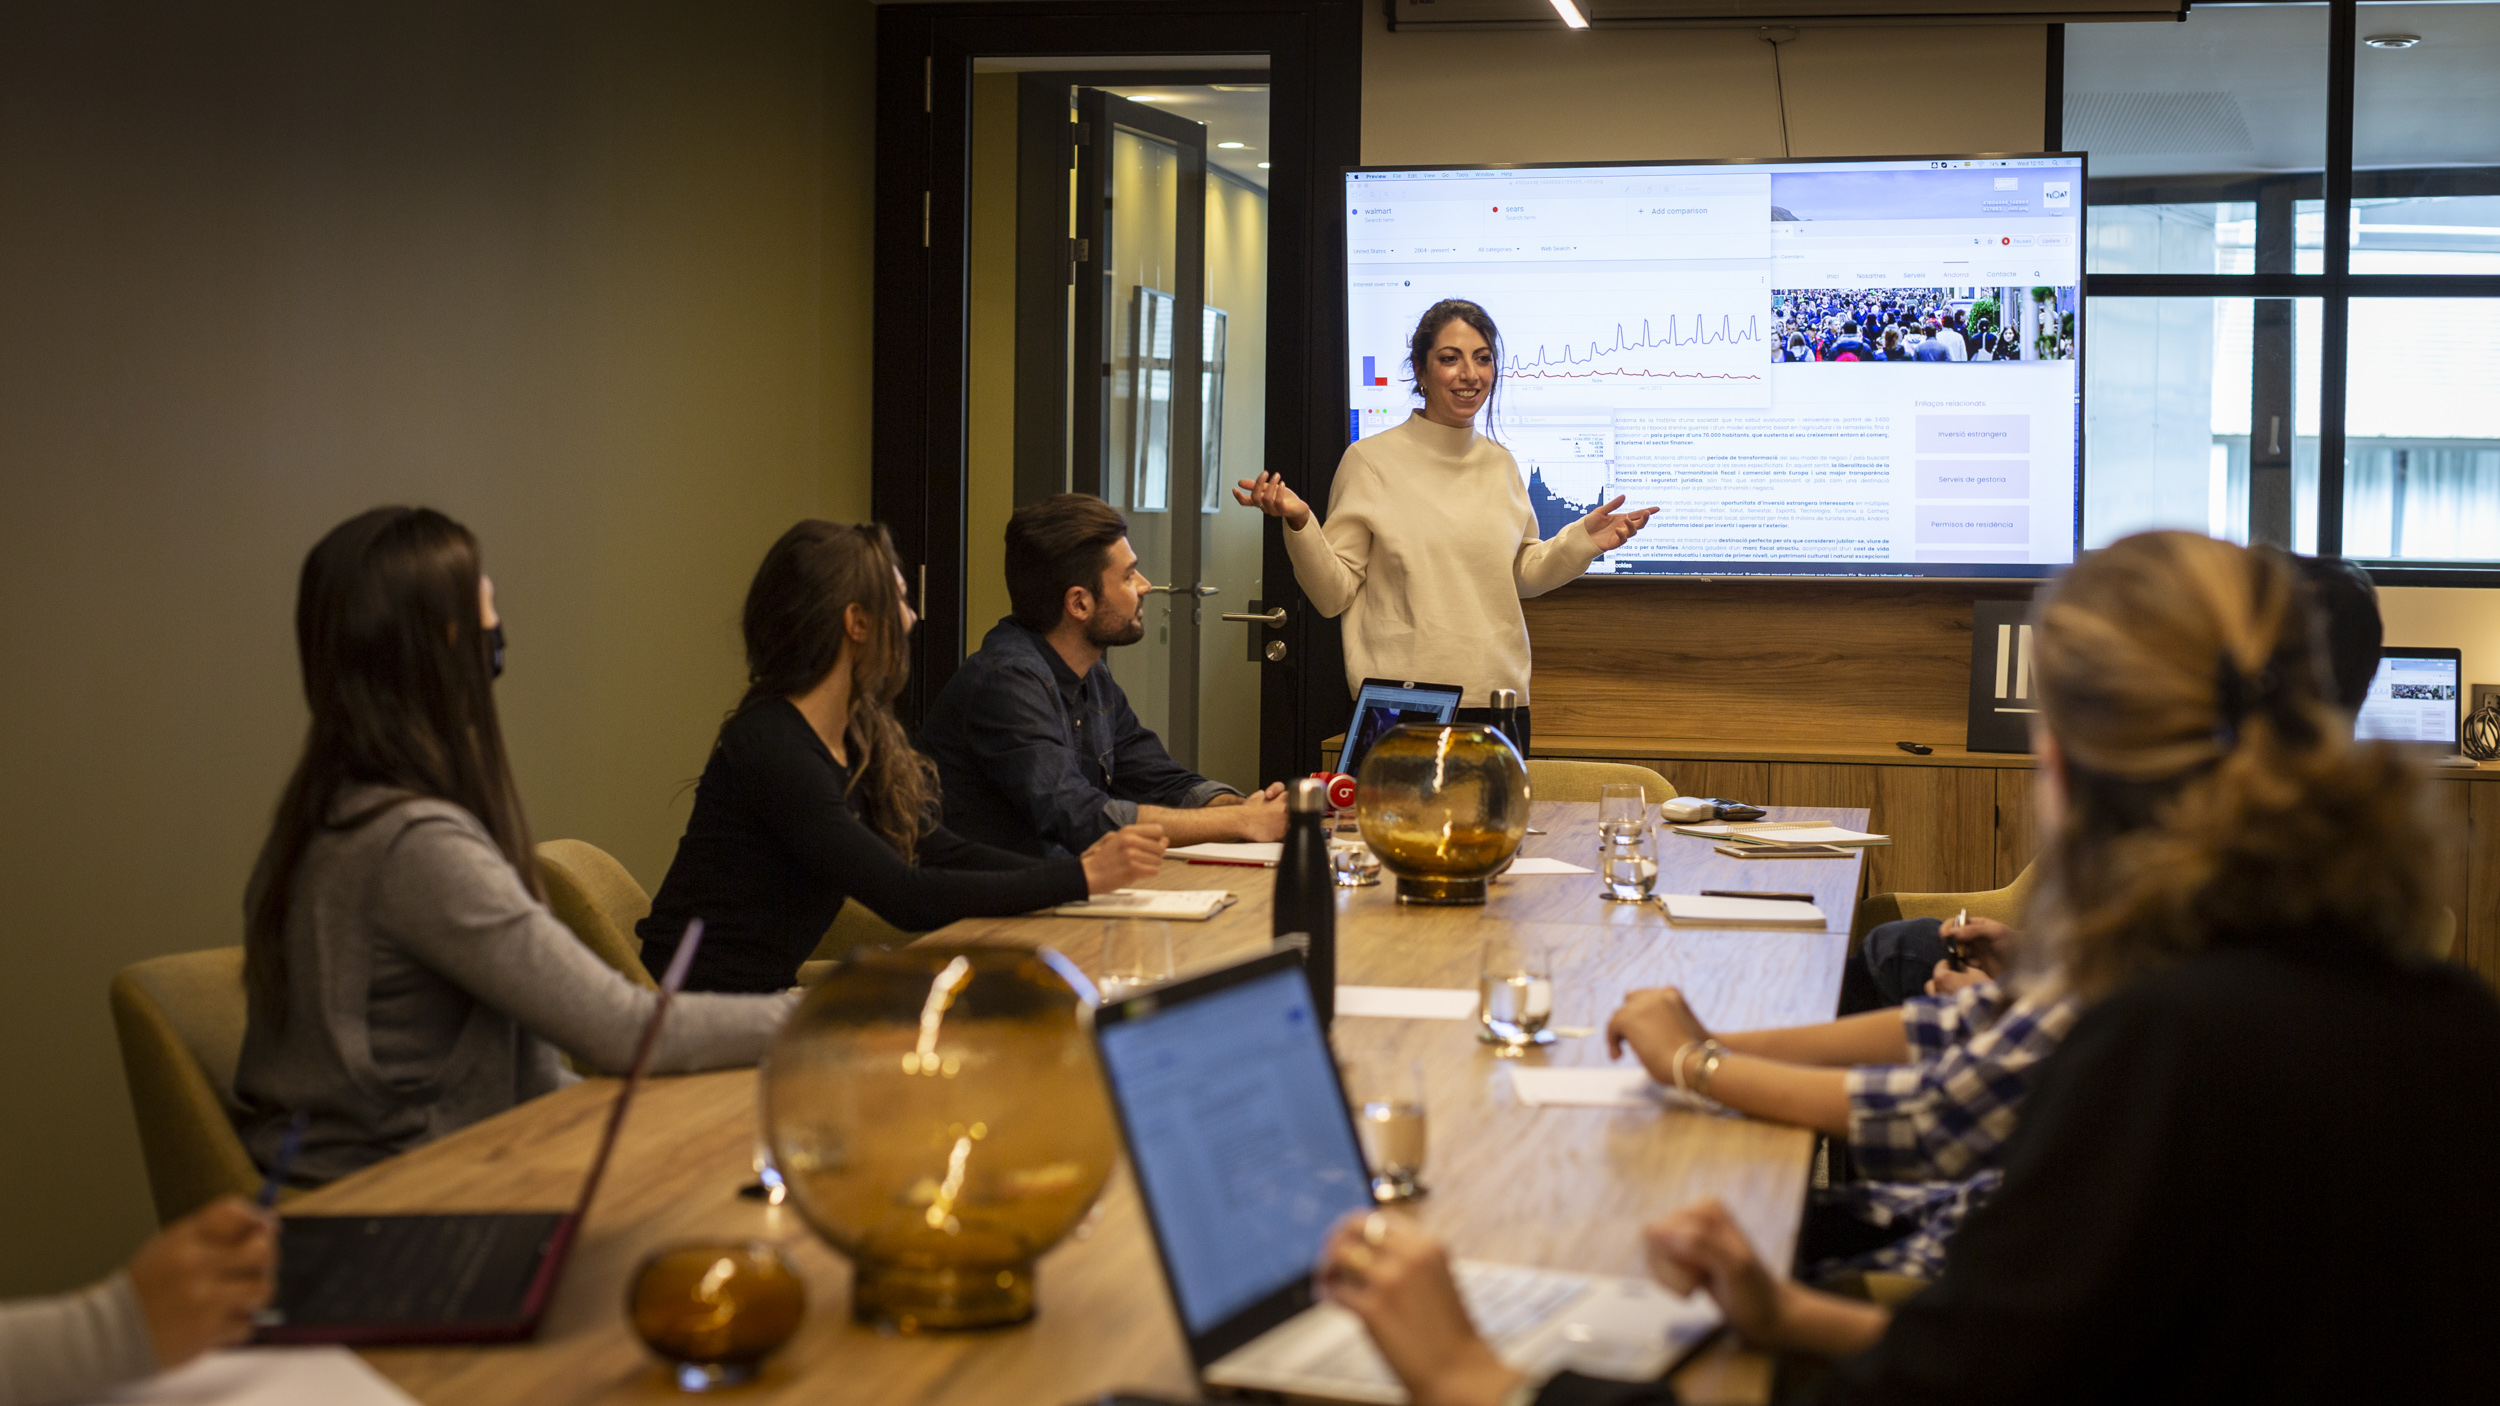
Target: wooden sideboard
<point x="1961" y="821"/>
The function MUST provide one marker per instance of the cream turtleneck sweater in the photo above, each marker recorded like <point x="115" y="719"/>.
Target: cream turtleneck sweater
<point x="1428" y="549"/>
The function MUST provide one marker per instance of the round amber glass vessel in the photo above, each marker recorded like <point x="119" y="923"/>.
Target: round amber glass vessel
<point x="715" y="1311"/>
<point x="937" y="1116"/>
<point x="1445" y="807"/>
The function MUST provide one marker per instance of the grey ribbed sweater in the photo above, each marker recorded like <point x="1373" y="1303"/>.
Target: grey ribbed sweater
<point x="426" y="989"/>
<point x="60" y="1349"/>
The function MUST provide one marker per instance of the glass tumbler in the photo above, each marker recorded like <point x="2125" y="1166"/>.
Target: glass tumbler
<point x="1627" y="860"/>
<point x="1619" y="800"/>
<point x="1389" y="1113"/>
<point x="1136" y="954"/>
<point x="1515" y="995"/>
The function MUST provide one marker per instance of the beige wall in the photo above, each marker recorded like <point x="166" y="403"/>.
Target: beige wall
<point x="2461" y="618"/>
<point x="990" y="356"/>
<point x="1632" y="95"/>
<point x="591" y="278"/>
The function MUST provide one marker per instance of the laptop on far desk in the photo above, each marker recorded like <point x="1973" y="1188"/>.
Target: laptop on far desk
<point x="2413" y="700"/>
<point x="407" y="1280"/>
<point x="1245" y="1156"/>
<point x="1381" y="704"/>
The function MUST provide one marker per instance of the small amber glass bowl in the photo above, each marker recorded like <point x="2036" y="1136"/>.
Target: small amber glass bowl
<point x="716" y="1311"/>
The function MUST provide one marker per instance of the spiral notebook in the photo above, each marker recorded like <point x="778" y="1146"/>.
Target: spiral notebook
<point x="1173" y="905"/>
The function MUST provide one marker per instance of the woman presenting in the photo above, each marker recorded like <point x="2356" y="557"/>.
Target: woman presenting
<point x="1430" y="544"/>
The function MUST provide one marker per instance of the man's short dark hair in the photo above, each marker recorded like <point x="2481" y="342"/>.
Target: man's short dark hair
<point x="1064" y="540"/>
<point x="2348" y="607"/>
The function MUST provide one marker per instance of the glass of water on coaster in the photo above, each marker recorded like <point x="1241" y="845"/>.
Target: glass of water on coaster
<point x="1515" y="995"/>
<point x="1136" y="954"/>
<point x="1627" y="859"/>
<point x="1389" y="1113"/>
<point x="1619" y="800"/>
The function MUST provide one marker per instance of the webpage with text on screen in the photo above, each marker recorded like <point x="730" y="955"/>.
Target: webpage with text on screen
<point x="1809" y="367"/>
<point x="1237" y="1130"/>
<point x="2410" y="700"/>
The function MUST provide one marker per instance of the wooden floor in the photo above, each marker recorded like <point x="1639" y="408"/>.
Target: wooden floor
<point x="1560" y="1187"/>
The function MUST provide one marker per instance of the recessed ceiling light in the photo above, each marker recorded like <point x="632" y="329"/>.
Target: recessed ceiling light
<point x="1262" y="165"/>
<point x="1571" y="15"/>
<point x="2393" y="41"/>
<point x="1150" y="97"/>
<point x="1230" y="146"/>
<point x="1239" y="87"/>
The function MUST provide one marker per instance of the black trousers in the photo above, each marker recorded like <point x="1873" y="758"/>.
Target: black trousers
<point x="1485" y="715"/>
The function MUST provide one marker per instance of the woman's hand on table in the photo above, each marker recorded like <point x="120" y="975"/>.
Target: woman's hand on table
<point x="1613" y="529"/>
<point x="1655" y="1023"/>
<point x="200" y="1280"/>
<point x="1269" y="495"/>
<point x="1702" y="1247"/>
<point x="1123" y="857"/>
<point x="1396" y="1278"/>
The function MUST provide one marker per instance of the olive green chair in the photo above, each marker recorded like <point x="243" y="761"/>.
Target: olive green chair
<point x="1555" y="779"/>
<point x="180" y="1019"/>
<point x="599" y="901"/>
<point x="2005" y="905"/>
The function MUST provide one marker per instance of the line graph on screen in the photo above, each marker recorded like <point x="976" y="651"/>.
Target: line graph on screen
<point x="1620" y="356"/>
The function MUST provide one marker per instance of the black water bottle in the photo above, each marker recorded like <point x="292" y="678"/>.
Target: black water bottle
<point x="1306" y="894"/>
<point x="1505" y="710"/>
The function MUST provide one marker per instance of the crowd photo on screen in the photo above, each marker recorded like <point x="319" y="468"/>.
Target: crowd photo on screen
<point x="1923" y="324"/>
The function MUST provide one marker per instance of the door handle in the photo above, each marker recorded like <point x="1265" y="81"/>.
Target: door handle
<point x="1274" y="619"/>
<point x="1184" y="590"/>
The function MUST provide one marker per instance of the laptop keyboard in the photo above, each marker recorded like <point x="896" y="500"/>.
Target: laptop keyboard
<point x="409" y="1269"/>
<point x="1506" y="1301"/>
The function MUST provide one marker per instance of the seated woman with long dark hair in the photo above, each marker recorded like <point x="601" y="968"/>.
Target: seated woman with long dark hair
<point x="2258" y="1169"/>
<point x="814" y="796"/>
<point x="405" y="977"/>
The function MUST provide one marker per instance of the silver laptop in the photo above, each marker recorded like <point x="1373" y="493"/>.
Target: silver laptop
<point x="1245" y="1155"/>
<point x="2414" y="699"/>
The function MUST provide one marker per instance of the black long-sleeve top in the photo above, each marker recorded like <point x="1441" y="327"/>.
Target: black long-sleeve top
<point x="2251" y="1178"/>
<point x="778" y="842"/>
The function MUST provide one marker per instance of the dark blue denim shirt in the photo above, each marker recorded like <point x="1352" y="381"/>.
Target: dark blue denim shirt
<point x="1035" y="758"/>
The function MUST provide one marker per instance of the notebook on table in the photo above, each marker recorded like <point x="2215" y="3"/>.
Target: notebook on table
<point x="1171" y="905"/>
<point x="1245" y="1155"/>
<point x="1719" y="911"/>
<point x="382" y="1280"/>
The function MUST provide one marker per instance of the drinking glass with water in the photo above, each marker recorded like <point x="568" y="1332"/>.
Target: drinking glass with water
<point x="1619" y="800"/>
<point x="1515" y="995"/>
<point x="1136" y="954"/>
<point x="1627" y="859"/>
<point x="1389" y="1113"/>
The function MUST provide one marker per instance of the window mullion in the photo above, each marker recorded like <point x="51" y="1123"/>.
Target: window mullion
<point x="2342" y="42"/>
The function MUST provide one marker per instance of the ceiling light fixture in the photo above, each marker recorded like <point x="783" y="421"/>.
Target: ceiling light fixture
<point x="1230" y="146"/>
<point x="1149" y="97"/>
<point x="1262" y="165"/>
<point x="2393" y="41"/>
<point x="1571" y="14"/>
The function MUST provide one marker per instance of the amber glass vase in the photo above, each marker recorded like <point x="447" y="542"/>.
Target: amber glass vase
<point x="1444" y="806"/>
<point x="937" y="1116"/>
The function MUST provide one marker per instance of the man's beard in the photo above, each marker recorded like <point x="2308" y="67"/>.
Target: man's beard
<point x="1103" y="634"/>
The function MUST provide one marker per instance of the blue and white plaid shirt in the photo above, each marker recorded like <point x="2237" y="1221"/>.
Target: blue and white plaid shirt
<point x="1932" y="1209"/>
<point x="1947" y="1113"/>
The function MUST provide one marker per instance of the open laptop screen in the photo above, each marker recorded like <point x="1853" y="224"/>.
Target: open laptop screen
<point x="2413" y="697"/>
<point x="1238" y="1132"/>
<point x="1382" y="704"/>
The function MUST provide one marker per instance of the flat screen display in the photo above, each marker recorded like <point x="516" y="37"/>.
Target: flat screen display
<point x="1812" y="368"/>
<point x="2413" y="698"/>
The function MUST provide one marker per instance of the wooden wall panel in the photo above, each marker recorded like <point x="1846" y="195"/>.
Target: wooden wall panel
<point x="2018" y="838"/>
<point x="1776" y="661"/>
<point x="1726" y="781"/>
<point x="2479" y="919"/>
<point x="1942" y="820"/>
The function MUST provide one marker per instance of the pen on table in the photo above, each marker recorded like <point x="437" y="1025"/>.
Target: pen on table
<point x="284" y="1162"/>
<point x="1953" y="950"/>
<point x="1757" y="893"/>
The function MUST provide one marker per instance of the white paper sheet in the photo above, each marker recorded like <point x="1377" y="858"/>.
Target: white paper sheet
<point x="1406" y="1002"/>
<point x="1544" y="1086"/>
<point x="1542" y="866"/>
<point x="1785" y="834"/>
<point x="265" y="1376"/>
<point x="1175" y="905"/>
<point x="1268" y="853"/>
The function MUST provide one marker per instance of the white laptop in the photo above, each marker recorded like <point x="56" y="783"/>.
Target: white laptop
<point x="1245" y="1155"/>
<point x="2414" y="700"/>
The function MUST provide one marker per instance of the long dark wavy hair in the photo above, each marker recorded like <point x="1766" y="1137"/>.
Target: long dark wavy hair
<point x="399" y="675"/>
<point x="794" y="632"/>
<point x="2213" y="798"/>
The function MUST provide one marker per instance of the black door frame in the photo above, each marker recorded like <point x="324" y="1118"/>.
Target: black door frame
<point x="923" y="193"/>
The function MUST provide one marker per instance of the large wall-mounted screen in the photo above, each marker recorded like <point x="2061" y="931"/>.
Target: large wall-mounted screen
<point x="1813" y="368"/>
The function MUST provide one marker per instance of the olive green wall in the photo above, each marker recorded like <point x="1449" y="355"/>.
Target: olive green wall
<point x="591" y="277"/>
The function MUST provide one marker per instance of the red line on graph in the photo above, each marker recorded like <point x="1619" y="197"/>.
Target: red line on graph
<point x="1652" y="375"/>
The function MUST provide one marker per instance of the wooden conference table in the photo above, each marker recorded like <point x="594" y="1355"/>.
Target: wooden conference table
<point x="1555" y="1186"/>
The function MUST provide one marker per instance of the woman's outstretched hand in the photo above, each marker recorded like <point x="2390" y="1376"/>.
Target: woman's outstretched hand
<point x="1702" y="1247"/>
<point x="1269" y="495"/>
<point x="1612" y="529"/>
<point x="1123" y="857"/>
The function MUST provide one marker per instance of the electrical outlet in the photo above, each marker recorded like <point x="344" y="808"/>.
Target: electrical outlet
<point x="2482" y="691"/>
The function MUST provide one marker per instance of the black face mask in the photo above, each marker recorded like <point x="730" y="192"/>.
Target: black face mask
<point x="494" y="652"/>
